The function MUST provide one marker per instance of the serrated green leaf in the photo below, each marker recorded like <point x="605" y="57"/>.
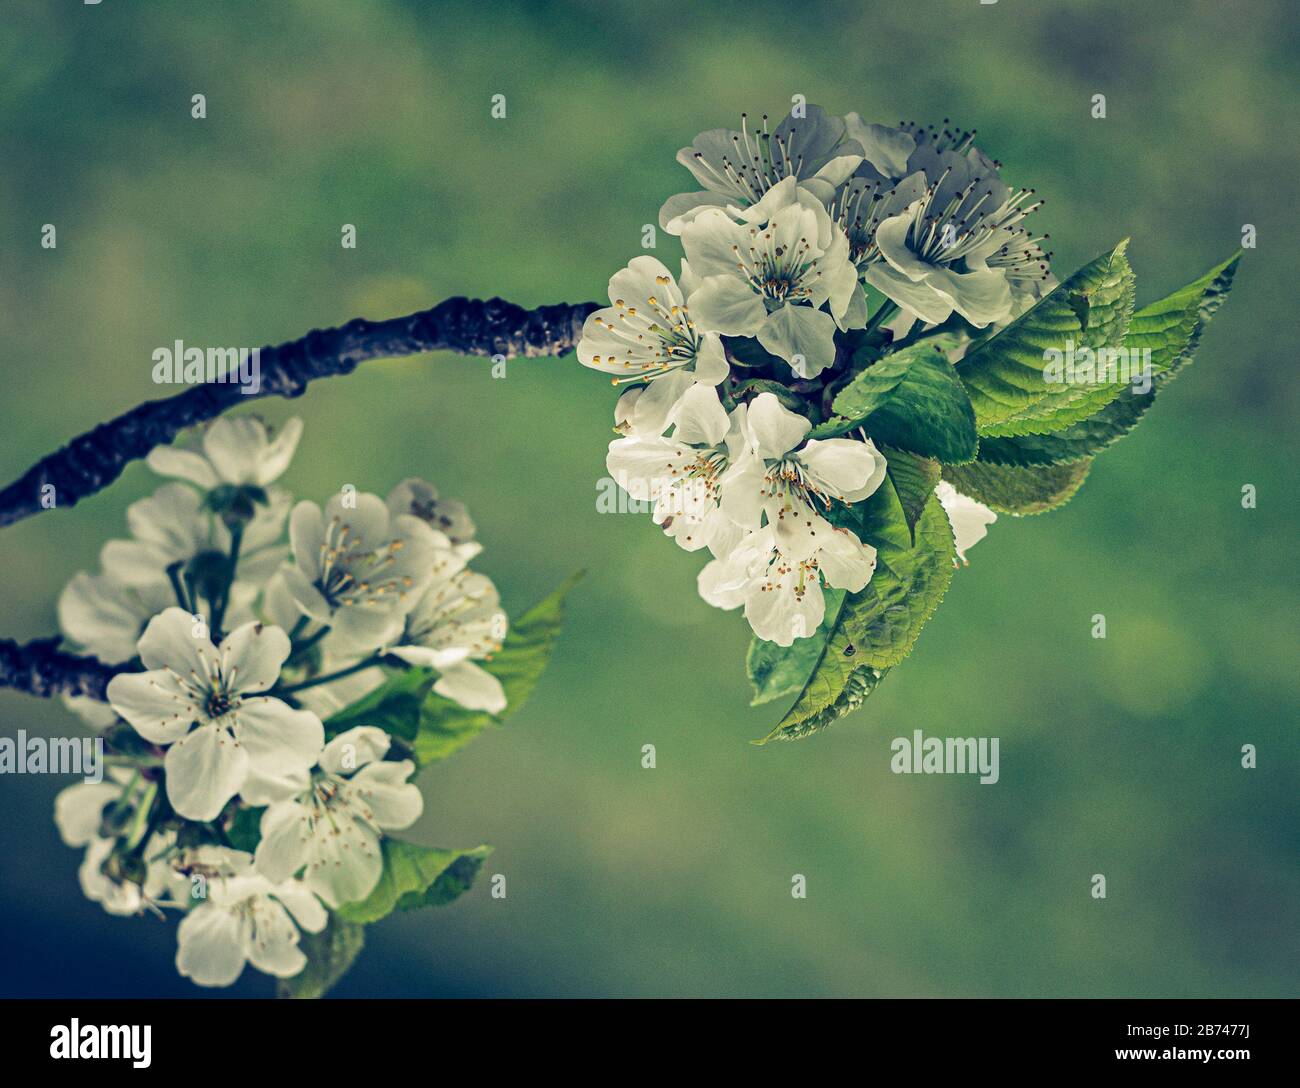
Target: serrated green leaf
<point x="913" y="400"/>
<point x="1170" y="330"/>
<point x="445" y="726"/>
<point x="879" y="625"/>
<point x="1010" y="489"/>
<point x="1004" y="374"/>
<point x="416" y="876"/>
<point x="329" y="954"/>
<point x="914" y="478"/>
<point x="860" y="684"/>
<point x="780" y="671"/>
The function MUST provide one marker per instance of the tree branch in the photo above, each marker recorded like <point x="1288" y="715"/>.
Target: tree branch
<point x="41" y="668"/>
<point x="92" y="461"/>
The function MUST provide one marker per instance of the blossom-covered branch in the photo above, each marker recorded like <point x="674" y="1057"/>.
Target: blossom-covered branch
<point x="39" y="667"/>
<point x="92" y="461"/>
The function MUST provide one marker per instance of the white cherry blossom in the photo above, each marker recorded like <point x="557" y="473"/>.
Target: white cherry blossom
<point x="650" y="334"/>
<point x="78" y="814"/>
<point x="769" y="278"/>
<point x="791" y="483"/>
<point x="173" y="526"/>
<point x="457" y="621"/>
<point x="682" y="474"/>
<point x="738" y="167"/>
<point x="242" y="918"/>
<point x="358" y="568"/>
<point x="331" y="833"/>
<point x="203" y="703"/>
<point x="782" y="596"/>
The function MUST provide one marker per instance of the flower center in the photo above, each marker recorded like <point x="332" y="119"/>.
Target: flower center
<point x="759" y="161"/>
<point x="352" y="573"/>
<point x="778" y="273"/>
<point x="660" y="336"/>
<point x="219" y="703"/>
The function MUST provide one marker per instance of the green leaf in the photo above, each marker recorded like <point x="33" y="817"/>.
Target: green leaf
<point x="877" y="626"/>
<point x="1011" y="489"/>
<point x="914" y="401"/>
<point x="780" y="671"/>
<point x="416" y="876"/>
<point x="394" y="706"/>
<point x="1170" y="330"/>
<point x="860" y="684"/>
<point x="445" y="726"/>
<point x="329" y="954"/>
<point x="914" y="478"/>
<point x="1004" y="374"/>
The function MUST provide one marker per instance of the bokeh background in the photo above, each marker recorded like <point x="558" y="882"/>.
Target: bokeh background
<point x="1119" y="757"/>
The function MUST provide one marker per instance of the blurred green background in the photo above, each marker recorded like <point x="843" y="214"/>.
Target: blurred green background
<point x="1119" y="757"/>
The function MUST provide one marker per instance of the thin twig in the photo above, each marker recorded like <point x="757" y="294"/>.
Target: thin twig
<point x="41" y="668"/>
<point x="94" y="460"/>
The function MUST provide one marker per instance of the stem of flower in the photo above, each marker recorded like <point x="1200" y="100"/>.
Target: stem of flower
<point x="223" y="598"/>
<point x="886" y="311"/>
<point x="173" y="574"/>
<point x="306" y="644"/>
<point x="329" y="677"/>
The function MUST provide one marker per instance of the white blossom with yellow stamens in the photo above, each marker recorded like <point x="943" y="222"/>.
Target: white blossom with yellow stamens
<point x="769" y="277"/>
<point x="358" y="568"/>
<point x="649" y="335"/>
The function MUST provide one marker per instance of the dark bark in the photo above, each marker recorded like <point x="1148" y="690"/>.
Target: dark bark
<point x="41" y="668"/>
<point x="94" y="460"/>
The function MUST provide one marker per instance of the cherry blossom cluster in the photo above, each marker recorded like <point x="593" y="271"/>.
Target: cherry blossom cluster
<point x="243" y="624"/>
<point x="732" y="363"/>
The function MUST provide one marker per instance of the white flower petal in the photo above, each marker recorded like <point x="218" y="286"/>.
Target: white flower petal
<point x="283" y="848"/>
<point x="394" y="803"/>
<point x="701" y="420"/>
<point x="306" y="535"/>
<point x="845" y="562"/>
<point x="727" y="304"/>
<point x="158" y="706"/>
<point x="205" y="769"/>
<point x="354" y="748"/>
<point x="844" y="468"/>
<point x="802" y="336"/>
<point x="252" y="656"/>
<point x="173" y="640"/>
<point x="274" y="947"/>
<point x="210" y="946"/>
<point x="473" y="687"/>
<point x="78" y="810"/>
<point x="968" y="517"/>
<point x="281" y="743"/>
<point x="275" y="457"/>
<point x="305" y="908"/>
<point x="183" y="465"/>
<point x="774" y="429"/>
